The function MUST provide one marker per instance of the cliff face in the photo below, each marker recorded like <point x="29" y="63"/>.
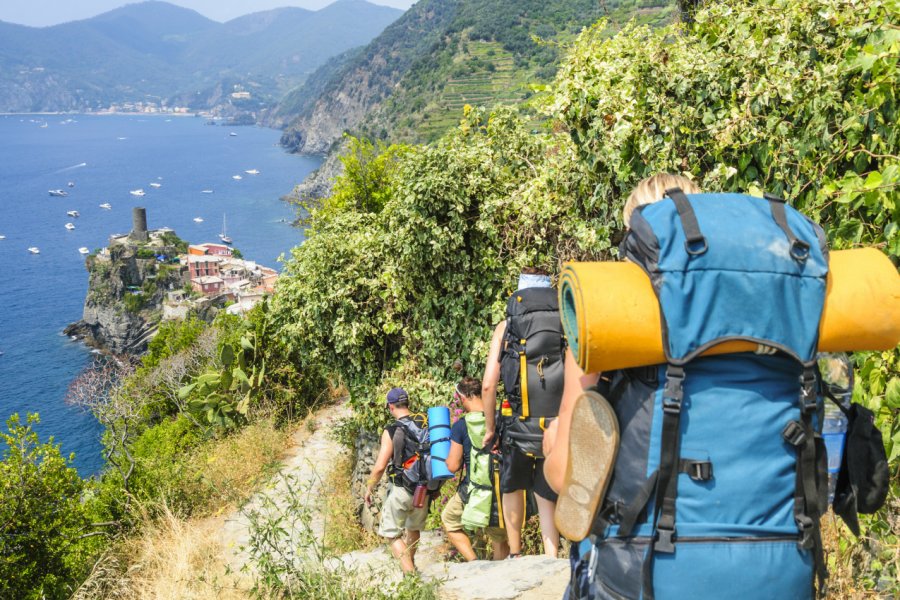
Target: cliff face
<point x="126" y="291"/>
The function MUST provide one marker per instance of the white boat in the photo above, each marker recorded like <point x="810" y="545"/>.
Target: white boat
<point x="232" y="134"/>
<point x="198" y="220"/>
<point x="224" y="235"/>
<point x="73" y="213"/>
<point x="156" y="185"/>
<point x="137" y="192"/>
<point x="84" y="250"/>
<point x="106" y="205"/>
<point x="252" y="172"/>
<point x="71" y="184"/>
<point x="2" y="237"/>
<point x="70" y="226"/>
<point x="236" y="177"/>
<point x="206" y="191"/>
<point x="58" y="193"/>
<point x="34" y="250"/>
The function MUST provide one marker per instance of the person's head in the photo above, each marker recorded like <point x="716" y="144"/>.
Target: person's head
<point x="468" y="393"/>
<point x="653" y="188"/>
<point x="533" y="277"/>
<point x="397" y="401"/>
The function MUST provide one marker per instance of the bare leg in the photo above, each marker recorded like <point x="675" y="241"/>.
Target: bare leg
<point x="514" y="516"/>
<point x="462" y="543"/>
<point x="501" y="549"/>
<point x="549" y="534"/>
<point x="401" y="551"/>
<point x="412" y="543"/>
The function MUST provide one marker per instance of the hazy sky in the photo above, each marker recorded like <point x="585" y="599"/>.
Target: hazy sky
<point x="39" y="13"/>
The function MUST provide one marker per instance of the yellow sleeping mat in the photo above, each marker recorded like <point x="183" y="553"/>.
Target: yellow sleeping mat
<point x="611" y="316"/>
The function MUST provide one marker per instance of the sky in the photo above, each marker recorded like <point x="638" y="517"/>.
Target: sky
<point x="40" y="13"/>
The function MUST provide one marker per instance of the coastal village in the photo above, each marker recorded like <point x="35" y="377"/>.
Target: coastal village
<point x="213" y="273"/>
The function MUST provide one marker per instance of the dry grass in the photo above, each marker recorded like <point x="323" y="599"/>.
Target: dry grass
<point x="343" y="533"/>
<point x="850" y="561"/>
<point x="170" y="558"/>
<point x="235" y="466"/>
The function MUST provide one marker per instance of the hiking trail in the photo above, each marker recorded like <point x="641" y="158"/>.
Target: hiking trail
<point x="309" y="462"/>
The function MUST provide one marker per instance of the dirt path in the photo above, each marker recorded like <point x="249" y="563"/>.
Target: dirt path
<point x="308" y="464"/>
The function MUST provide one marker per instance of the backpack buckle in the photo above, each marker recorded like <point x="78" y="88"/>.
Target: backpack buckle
<point x="699" y="470"/>
<point x="794" y="434"/>
<point x="805" y="526"/>
<point x="808" y="398"/>
<point x="664" y="542"/>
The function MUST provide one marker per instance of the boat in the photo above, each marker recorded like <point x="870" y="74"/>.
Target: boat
<point x="70" y="226"/>
<point x="73" y="213"/>
<point x="156" y="185"/>
<point x="206" y="191"/>
<point x="232" y="134"/>
<point x="236" y="177"/>
<point x="34" y="250"/>
<point x="198" y="220"/>
<point x="84" y="250"/>
<point x="106" y="205"/>
<point x="224" y="235"/>
<point x="58" y="193"/>
<point x="137" y="192"/>
<point x="71" y="184"/>
<point x="2" y="237"/>
<point x="252" y="172"/>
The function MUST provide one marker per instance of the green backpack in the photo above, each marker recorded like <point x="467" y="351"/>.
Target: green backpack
<point x="477" y="512"/>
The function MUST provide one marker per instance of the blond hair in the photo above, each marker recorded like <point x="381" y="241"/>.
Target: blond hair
<point x="653" y="188"/>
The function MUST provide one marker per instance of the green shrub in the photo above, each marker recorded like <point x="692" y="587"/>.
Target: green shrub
<point x="41" y="516"/>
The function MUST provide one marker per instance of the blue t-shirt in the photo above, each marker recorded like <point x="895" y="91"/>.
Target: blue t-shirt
<point x="460" y="434"/>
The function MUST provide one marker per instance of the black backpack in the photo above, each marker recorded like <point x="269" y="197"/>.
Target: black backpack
<point x="411" y="463"/>
<point x="531" y="366"/>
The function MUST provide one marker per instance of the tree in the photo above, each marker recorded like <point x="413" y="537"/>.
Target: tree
<point x="41" y="516"/>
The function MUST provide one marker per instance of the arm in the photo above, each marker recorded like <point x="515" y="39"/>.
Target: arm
<point x="385" y="453"/>
<point x="455" y="457"/>
<point x="556" y="437"/>
<point x="490" y="381"/>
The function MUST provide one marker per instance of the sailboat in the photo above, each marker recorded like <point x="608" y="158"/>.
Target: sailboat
<point x="224" y="235"/>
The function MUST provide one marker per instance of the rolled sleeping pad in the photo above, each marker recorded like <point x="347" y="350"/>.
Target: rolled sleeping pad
<point x="611" y="315"/>
<point x="439" y="435"/>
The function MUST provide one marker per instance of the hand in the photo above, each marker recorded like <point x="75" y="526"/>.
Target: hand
<point x="368" y="497"/>
<point x="488" y="441"/>
<point x="550" y="437"/>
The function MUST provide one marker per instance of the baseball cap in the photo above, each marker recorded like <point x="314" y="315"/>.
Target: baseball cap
<point x="397" y="395"/>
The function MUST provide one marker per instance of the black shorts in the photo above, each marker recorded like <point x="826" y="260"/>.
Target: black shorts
<point x="518" y="471"/>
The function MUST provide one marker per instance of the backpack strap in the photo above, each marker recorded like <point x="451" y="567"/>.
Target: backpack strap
<point x="810" y="499"/>
<point x="799" y="248"/>
<point x="667" y="480"/>
<point x="695" y="241"/>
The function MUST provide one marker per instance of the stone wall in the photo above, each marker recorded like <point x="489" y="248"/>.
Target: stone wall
<point x="365" y="451"/>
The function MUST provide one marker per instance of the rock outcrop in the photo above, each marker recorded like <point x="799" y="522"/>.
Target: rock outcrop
<point x="126" y="290"/>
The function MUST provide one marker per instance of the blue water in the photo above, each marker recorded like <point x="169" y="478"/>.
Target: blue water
<point x="41" y="294"/>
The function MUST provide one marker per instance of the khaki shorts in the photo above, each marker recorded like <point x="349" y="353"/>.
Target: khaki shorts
<point x="451" y="517"/>
<point x="397" y="514"/>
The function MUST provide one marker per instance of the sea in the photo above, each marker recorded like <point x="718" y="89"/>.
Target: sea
<point x="100" y="159"/>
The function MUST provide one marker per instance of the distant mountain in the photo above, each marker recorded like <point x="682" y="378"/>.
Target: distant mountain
<point x="155" y="51"/>
<point x="412" y="81"/>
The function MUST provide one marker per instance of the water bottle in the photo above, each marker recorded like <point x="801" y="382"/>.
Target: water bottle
<point x="419" y="495"/>
<point x="837" y="379"/>
<point x="834" y="431"/>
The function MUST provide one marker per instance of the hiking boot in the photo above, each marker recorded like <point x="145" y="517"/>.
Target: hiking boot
<point x="593" y="444"/>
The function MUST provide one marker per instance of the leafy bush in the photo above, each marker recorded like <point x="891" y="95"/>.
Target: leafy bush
<point x="41" y="516"/>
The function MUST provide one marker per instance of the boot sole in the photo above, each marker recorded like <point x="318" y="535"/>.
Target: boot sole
<point x="593" y="447"/>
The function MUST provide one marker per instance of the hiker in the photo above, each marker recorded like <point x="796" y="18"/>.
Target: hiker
<point x="472" y="503"/>
<point x="715" y="452"/>
<point x="526" y="352"/>
<point x="397" y="449"/>
<point x="556" y="437"/>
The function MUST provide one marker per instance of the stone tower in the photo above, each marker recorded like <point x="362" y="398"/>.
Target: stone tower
<point x="139" y="224"/>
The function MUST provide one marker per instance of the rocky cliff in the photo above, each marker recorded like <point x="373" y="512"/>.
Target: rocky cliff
<point x="126" y="290"/>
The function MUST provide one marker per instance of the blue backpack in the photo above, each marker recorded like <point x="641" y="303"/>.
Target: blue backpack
<point x="720" y="478"/>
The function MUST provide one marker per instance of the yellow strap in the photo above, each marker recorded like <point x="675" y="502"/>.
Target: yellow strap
<point x="523" y="383"/>
<point x="541" y="424"/>
<point x="499" y="498"/>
